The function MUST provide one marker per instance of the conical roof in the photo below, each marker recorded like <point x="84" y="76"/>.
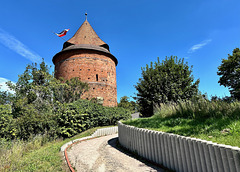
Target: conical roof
<point x="86" y="35"/>
<point x="86" y="38"/>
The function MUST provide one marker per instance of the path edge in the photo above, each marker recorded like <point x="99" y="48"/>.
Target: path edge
<point x="98" y="133"/>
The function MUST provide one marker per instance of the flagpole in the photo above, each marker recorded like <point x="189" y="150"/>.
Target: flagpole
<point x="58" y="36"/>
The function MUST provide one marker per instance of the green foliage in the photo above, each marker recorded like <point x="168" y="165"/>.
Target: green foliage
<point x="7" y="127"/>
<point x="127" y="104"/>
<point x="43" y="105"/>
<point x="229" y="72"/>
<point x="37" y="88"/>
<point x="5" y="97"/>
<point x="67" y="91"/>
<point x="26" y="125"/>
<point x="34" y="123"/>
<point x="33" y="85"/>
<point x="216" y="121"/>
<point x="162" y="82"/>
<point x="32" y="91"/>
<point x="81" y="115"/>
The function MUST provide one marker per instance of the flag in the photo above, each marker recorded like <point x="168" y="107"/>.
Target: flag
<point x="63" y="33"/>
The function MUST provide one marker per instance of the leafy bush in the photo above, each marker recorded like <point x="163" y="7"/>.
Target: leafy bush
<point x="81" y="115"/>
<point x="7" y="129"/>
<point x="65" y="121"/>
<point x="33" y="123"/>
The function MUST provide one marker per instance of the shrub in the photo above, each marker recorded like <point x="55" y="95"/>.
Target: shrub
<point x="33" y="123"/>
<point x="81" y="115"/>
<point x="7" y="127"/>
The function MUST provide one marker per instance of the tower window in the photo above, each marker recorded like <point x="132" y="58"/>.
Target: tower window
<point x="96" y="77"/>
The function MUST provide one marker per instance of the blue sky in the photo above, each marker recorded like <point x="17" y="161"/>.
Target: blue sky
<point x="137" y="31"/>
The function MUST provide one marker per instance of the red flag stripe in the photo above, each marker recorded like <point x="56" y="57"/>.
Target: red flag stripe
<point x="63" y="33"/>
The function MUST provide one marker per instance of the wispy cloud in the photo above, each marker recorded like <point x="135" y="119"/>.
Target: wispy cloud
<point x="198" y="46"/>
<point x="17" y="46"/>
<point x="3" y="86"/>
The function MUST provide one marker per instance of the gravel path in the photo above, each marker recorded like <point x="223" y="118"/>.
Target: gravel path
<point x="101" y="154"/>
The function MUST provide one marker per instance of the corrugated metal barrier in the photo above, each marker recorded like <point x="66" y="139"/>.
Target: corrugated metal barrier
<point x="179" y="153"/>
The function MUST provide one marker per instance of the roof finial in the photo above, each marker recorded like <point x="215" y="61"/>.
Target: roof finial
<point x="86" y="16"/>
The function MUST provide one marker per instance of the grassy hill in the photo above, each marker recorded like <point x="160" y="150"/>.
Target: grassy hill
<point x="214" y="121"/>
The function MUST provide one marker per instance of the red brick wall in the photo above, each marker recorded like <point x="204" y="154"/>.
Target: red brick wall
<point x="95" y="68"/>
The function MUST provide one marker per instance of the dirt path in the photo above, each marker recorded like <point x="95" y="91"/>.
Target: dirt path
<point x="101" y="154"/>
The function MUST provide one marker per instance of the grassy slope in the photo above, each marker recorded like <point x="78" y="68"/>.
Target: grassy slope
<point x="203" y="128"/>
<point x="37" y="158"/>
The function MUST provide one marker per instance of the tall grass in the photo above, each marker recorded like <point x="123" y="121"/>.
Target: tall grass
<point x="37" y="154"/>
<point x="12" y="152"/>
<point x="199" y="109"/>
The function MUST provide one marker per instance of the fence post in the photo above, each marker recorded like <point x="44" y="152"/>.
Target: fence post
<point x="207" y="155"/>
<point x="187" y="154"/>
<point x="218" y="157"/>
<point x="170" y="151"/>
<point x="183" y="156"/>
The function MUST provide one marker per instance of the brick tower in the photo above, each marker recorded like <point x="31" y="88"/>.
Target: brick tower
<point x="87" y="57"/>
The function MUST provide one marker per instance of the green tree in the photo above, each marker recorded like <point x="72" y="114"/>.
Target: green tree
<point x="37" y="97"/>
<point x="32" y="88"/>
<point x="67" y="91"/>
<point x="162" y="82"/>
<point x="5" y="97"/>
<point x="127" y="104"/>
<point x="229" y="72"/>
<point x="38" y="87"/>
